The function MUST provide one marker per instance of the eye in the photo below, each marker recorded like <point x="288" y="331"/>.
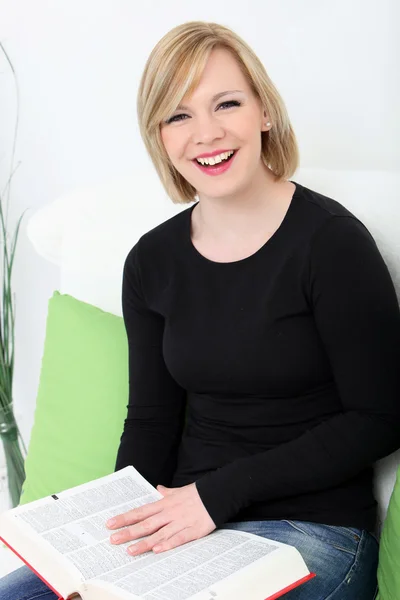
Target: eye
<point x="176" y="118"/>
<point x="232" y="102"/>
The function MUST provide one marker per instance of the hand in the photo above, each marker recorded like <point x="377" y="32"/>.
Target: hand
<point x="179" y="517"/>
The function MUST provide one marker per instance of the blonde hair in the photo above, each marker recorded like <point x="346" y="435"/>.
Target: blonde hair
<point x="174" y="69"/>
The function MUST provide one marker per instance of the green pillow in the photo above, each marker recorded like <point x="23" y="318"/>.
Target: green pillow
<point x="389" y="549"/>
<point x="82" y="398"/>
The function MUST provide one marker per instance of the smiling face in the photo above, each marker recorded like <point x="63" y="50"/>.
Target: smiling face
<point x="233" y="121"/>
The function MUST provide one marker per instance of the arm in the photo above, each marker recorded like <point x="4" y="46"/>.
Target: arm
<point x="357" y="316"/>
<point x="156" y="408"/>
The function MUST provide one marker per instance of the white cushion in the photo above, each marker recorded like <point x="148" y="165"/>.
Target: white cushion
<point x="89" y="231"/>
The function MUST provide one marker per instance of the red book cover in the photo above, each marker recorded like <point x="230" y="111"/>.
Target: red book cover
<point x="32" y="569"/>
<point x="291" y="587"/>
<point x="274" y="597"/>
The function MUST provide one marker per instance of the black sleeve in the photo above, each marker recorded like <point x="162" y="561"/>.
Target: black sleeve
<point x="156" y="408"/>
<point x="357" y="315"/>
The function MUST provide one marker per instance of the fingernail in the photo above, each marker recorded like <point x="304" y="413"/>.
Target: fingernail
<point x="132" y="550"/>
<point x="115" y="538"/>
<point x="111" y="522"/>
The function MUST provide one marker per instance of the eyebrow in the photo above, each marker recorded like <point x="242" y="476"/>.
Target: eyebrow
<point x="182" y="107"/>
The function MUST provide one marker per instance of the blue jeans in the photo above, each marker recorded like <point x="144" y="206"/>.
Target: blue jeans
<point x="344" y="559"/>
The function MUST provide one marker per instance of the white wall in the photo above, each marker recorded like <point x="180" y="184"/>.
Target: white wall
<point x="78" y="64"/>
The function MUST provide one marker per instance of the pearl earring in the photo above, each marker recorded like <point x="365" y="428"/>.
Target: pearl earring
<point x="268" y="124"/>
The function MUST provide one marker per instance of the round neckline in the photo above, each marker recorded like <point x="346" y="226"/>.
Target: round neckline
<point x="267" y="244"/>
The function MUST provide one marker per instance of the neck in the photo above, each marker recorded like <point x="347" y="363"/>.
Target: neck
<point x="249" y="213"/>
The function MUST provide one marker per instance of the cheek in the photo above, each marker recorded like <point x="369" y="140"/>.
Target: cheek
<point x="248" y="130"/>
<point x="165" y="140"/>
<point x="173" y="145"/>
<point x="243" y="123"/>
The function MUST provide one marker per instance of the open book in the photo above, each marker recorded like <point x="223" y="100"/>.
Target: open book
<point x="63" y="538"/>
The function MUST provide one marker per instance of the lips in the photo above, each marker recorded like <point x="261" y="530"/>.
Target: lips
<point x="231" y="153"/>
<point x="215" y="153"/>
<point x="218" y="168"/>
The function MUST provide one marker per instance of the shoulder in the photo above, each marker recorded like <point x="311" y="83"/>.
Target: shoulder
<point x="328" y="221"/>
<point x="340" y="247"/>
<point x="319" y="207"/>
<point x="161" y="240"/>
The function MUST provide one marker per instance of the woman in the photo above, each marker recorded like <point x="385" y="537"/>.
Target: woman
<point x="263" y="329"/>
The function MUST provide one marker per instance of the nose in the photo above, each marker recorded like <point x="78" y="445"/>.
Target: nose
<point x="205" y="129"/>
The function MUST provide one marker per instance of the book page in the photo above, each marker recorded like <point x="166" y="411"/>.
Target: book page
<point x="186" y="571"/>
<point x="70" y="528"/>
<point x="72" y="522"/>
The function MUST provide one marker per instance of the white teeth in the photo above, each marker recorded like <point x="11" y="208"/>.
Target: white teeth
<point x="215" y="159"/>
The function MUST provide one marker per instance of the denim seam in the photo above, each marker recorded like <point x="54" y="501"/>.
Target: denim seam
<point x="341" y="584"/>
<point x="317" y="538"/>
<point x="40" y="595"/>
<point x="344" y="580"/>
<point x="352" y="568"/>
<point x="352" y="536"/>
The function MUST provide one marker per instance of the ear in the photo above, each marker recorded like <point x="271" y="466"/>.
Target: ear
<point x="265" y="120"/>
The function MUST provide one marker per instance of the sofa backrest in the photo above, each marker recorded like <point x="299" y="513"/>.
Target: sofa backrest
<point x="88" y="233"/>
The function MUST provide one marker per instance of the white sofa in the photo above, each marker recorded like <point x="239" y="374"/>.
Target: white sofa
<point x="89" y="231"/>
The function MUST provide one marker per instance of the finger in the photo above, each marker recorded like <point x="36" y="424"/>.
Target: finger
<point x="135" y="515"/>
<point x="142" y="529"/>
<point x="164" y="490"/>
<point x="182" y="537"/>
<point x="156" y="539"/>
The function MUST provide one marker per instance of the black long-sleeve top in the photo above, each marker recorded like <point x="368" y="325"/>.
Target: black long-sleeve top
<point x="273" y="382"/>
